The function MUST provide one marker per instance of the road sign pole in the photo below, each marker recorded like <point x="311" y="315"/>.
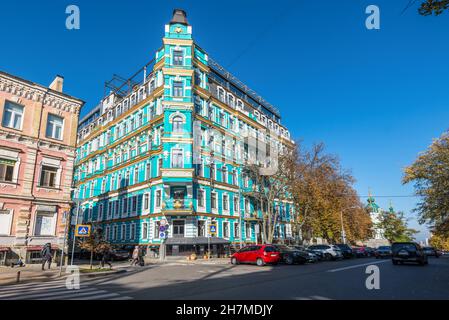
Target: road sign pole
<point x="67" y="221"/>
<point x="74" y="237"/>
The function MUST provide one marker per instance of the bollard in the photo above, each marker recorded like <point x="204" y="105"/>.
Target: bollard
<point x="18" y="277"/>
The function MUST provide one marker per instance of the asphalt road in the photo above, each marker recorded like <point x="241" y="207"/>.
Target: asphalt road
<point x="326" y="280"/>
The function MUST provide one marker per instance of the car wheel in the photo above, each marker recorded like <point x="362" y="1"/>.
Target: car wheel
<point x="234" y="261"/>
<point x="327" y="257"/>
<point x="260" y="262"/>
<point x="289" y="260"/>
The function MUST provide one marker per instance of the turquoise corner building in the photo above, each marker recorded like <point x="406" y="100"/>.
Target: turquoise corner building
<point x="166" y="145"/>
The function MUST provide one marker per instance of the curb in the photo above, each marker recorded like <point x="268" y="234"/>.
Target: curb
<point x="106" y="273"/>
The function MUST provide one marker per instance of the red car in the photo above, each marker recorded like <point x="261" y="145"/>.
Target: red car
<point x="258" y="254"/>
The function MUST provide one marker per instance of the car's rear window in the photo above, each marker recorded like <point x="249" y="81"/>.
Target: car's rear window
<point x="271" y="249"/>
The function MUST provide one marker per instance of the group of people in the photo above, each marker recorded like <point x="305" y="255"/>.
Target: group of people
<point x="137" y="257"/>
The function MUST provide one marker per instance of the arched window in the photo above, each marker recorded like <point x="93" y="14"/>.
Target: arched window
<point x="177" y="124"/>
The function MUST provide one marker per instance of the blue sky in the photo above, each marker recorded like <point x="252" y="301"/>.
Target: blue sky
<point x="375" y="97"/>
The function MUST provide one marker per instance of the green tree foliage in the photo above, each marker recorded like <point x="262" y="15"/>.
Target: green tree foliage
<point x="430" y="176"/>
<point x="435" y="7"/>
<point x="395" y="227"/>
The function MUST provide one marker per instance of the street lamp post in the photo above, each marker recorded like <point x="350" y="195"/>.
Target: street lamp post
<point x="343" y="233"/>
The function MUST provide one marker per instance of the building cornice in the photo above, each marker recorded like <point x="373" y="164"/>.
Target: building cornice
<point x="37" y="93"/>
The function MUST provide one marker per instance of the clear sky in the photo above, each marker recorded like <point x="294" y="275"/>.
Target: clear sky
<point x="375" y="97"/>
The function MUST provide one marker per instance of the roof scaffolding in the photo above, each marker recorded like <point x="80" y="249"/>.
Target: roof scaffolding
<point x="250" y="92"/>
<point x="122" y="87"/>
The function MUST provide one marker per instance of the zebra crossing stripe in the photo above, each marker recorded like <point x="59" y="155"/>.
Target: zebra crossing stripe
<point x="58" y="293"/>
<point x="100" y="297"/>
<point x="75" y="295"/>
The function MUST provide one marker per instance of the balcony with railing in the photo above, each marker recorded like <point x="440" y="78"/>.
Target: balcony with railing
<point x="178" y="205"/>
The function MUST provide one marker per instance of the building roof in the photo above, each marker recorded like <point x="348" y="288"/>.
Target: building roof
<point x="31" y="83"/>
<point x="179" y="16"/>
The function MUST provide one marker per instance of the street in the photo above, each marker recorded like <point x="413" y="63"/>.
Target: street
<point x="181" y="281"/>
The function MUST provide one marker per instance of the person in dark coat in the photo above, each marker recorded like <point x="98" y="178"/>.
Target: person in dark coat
<point x="46" y="256"/>
<point x="106" y="258"/>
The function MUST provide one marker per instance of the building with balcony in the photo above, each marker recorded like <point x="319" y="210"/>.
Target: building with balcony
<point x="170" y="143"/>
<point x="38" y="132"/>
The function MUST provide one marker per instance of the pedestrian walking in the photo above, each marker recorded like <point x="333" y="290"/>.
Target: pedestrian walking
<point x="141" y="260"/>
<point x="106" y="258"/>
<point x="135" y="256"/>
<point x="46" y="256"/>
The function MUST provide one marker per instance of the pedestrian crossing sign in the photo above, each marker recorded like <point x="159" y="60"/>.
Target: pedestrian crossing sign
<point x="82" y="230"/>
<point x="213" y="229"/>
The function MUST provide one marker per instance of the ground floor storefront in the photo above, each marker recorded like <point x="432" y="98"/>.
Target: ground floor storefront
<point x="27" y="225"/>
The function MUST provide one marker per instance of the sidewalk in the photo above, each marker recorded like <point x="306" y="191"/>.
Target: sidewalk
<point x="33" y="272"/>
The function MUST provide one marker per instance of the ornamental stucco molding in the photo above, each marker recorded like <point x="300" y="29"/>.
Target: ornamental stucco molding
<point x="38" y="94"/>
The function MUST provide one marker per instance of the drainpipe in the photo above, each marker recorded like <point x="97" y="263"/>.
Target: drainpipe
<point x="35" y="160"/>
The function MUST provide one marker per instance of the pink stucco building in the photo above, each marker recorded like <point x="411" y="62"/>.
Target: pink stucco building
<point x="37" y="148"/>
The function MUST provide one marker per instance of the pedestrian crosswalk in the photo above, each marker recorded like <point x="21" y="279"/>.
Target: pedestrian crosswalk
<point x="57" y="290"/>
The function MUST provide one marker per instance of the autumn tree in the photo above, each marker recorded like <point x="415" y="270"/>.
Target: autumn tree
<point x="395" y="227"/>
<point x="435" y="7"/>
<point x="323" y="195"/>
<point x="268" y="187"/>
<point x="430" y="177"/>
<point x="440" y="242"/>
<point x="94" y="243"/>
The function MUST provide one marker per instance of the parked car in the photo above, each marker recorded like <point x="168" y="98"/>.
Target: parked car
<point x="432" y="252"/>
<point x="402" y="252"/>
<point x="314" y="256"/>
<point x="120" y="255"/>
<point x="383" y="252"/>
<point x="329" y="252"/>
<point x="258" y="254"/>
<point x="370" y="251"/>
<point x="346" y="250"/>
<point x="360" y="252"/>
<point x="291" y="255"/>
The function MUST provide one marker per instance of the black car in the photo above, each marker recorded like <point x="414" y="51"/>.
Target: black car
<point x="432" y="252"/>
<point x="314" y="256"/>
<point x="346" y="250"/>
<point x="383" y="252"/>
<point x="291" y="255"/>
<point x="120" y="255"/>
<point x="402" y="252"/>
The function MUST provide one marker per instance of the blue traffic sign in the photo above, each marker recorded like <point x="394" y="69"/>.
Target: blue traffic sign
<point x="213" y="228"/>
<point x="82" y="230"/>
<point x="162" y="235"/>
<point x="162" y="228"/>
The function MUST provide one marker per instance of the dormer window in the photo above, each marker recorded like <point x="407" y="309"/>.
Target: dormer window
<point x="231" y="100"/>
<point x="141" y="94"/>
<point x="133" y="99"/>
<point x="178" y="58"/>
<point x="152" y="85"/>
<point x="221" y="94"/>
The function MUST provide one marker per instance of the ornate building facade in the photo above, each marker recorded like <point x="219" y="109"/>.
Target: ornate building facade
<point x="38" y="133"/>
<point x="170" y="148"/>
